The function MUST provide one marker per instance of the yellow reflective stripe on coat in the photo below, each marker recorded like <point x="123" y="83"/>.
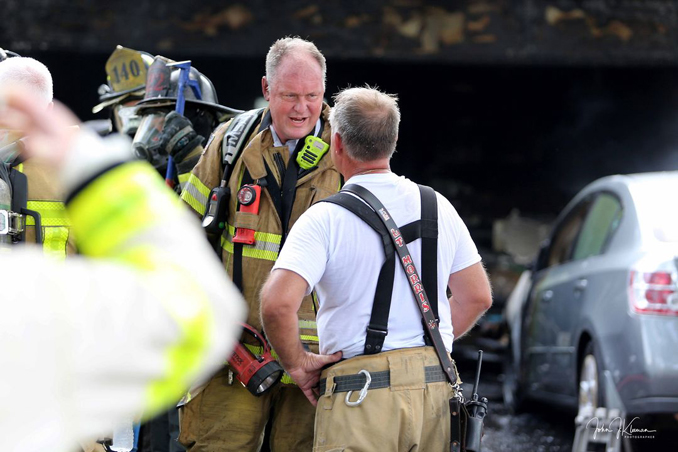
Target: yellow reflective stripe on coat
<point x="52" y="213"/>
<point x="55" y="225"/>
<point x="308" y="324"/>
<point x="266" y="245"/>
<point x="189" y="308"/>
<point x="107" y="214"/>
<point x="195" y="194"/>
<point x="185" y="356"/>
<point x="183" y="178"/>
<point x="118" y="204"/>
<point x="55" y="239"/>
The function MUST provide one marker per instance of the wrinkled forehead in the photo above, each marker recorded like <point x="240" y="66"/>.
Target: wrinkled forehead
<point x="298" y="72"/>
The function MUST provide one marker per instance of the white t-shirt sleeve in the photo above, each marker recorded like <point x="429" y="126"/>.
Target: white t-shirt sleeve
<point x="466" y="253"/>
<point x="305" y="251"/>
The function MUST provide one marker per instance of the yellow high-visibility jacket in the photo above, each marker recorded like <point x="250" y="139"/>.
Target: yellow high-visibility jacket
<point x="124" y="329"/>
<point x="45" y="198"/>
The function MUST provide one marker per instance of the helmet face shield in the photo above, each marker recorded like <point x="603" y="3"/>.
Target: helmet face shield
<point x="126" y="119"/>
<point x="146" y="143"/>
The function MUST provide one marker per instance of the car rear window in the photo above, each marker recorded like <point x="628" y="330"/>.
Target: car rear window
<point x="655" y="205"/>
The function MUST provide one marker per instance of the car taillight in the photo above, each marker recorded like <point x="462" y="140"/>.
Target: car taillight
<point x="653" y="292"/>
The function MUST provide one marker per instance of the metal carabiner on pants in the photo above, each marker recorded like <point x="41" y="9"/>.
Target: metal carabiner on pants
<point x="363" y="391"/>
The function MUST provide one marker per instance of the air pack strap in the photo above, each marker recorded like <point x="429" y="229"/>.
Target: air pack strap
<point x="426" y="228"/>
<point x="282" y="197"/>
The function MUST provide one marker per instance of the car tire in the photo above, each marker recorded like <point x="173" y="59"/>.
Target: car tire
<point x="590" y="391"/>
<point x="512" y="392"/>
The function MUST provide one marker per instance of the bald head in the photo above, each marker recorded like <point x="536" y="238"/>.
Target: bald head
<point x="28" y="73"/>
<point x="367" y="121"/>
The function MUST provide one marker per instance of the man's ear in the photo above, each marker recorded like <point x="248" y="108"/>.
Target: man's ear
<point x="338" y="144"/>
<point x="265" y="88"/>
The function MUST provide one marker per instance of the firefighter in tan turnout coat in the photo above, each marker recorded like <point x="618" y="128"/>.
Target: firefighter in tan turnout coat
<point x="285" y="161"/>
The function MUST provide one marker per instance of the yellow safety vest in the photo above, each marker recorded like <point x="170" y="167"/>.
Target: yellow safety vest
<point x="45" y="198"/>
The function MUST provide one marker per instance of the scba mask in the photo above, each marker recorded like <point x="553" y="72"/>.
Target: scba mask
<point x="148" y="138"/>
<point x="126" y="119"/>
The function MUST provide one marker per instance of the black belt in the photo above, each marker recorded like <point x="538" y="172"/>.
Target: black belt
<point x="382" y="379"/>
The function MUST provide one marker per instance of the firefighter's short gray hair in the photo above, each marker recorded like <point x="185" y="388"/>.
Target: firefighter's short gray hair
<point x="29" y="73"/>
<point x="287" y="45"/>
<point x="367" y="121"/>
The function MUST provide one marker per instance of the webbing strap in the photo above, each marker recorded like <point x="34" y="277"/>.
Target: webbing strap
<point x="429" y="243"/>
<point x="238" y="247"/>
<point x="289" y="190"/>
<point x="378" y="380"/>
<point x="377" y="328"/>
<point x="412" y="274"/>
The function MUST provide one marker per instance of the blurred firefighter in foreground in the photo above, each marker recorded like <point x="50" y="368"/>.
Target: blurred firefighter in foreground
<point x="123" y="330"/>
<point x="257" y="175"/>
<point x="43" y="196"/>
<point x="126" y="73"/>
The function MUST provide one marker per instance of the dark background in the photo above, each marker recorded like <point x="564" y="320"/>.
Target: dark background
<point x="506" y="104"/>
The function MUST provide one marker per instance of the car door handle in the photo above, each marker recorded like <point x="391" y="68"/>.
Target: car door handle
<point x="547" y="296"/>
<point x="580" y="285"/>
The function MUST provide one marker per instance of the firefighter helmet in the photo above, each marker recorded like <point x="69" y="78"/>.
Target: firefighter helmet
<point x="162" y="85"/>
<point x="126" y="71"/>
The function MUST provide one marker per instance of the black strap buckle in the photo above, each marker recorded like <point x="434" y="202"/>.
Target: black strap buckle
<point x="374" y="340"/>
<point x="374" y="331"/>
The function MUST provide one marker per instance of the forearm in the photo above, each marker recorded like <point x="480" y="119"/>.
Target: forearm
<point x="282" y="331"/>
<point x="464" y="316"/>
<point x="471" y="297"/>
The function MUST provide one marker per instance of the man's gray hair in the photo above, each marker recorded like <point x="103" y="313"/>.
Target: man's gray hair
<point x="285" y="46"/>
<point x="367" y="121"/>
<point x="29" y="73"/>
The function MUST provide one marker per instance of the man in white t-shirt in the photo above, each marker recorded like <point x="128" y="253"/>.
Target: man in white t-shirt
<point x="337" y="253"/>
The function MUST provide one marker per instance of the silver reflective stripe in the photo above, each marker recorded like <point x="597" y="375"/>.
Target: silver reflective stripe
<point x="308" y="324"/>
<point x="193" y="191"/>
<point x="261" y="249"/>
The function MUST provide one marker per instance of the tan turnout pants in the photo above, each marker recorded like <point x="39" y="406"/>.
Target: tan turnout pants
<point x="410" y="415"/>
<point x="227" y="418"/>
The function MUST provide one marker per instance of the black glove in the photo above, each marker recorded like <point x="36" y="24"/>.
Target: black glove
<point x="178" y="137"/>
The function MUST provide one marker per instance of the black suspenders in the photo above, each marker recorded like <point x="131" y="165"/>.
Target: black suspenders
<point x="426" y="229"/>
